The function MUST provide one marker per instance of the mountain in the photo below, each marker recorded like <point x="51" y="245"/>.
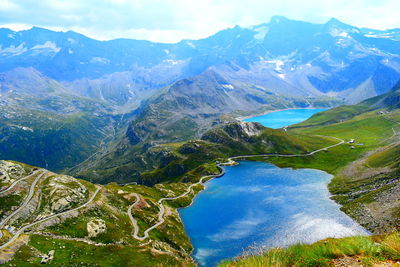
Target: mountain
<point x="43" y="123"/>
<point x="139" y="93"/>
<point x="186" y="110"/>
<point x="283" y="55"/>
<point x="191" y="106"/>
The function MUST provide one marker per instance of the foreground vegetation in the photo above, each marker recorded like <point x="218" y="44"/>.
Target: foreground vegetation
<point x="365" y="251"/>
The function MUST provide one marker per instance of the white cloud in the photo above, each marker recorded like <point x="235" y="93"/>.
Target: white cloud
<point x="173" y="20"/>
<point x="241" y="228"/>
<point x="203" y="253"/>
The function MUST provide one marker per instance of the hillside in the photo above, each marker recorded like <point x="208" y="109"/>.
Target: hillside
<point x="186" y="160"/>
<point x="86" y="224"/>
<point x="191" y="106"/>
<point x="44" y="124"/>
<point x="70" y="219"/>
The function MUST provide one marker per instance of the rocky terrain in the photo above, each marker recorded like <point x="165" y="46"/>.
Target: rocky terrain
<point x="66" y="219"/>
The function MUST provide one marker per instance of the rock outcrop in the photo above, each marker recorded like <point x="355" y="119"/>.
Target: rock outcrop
<point x="96" y="227"/>
<point x="10" y="171"/>
<point x="63" y="193"/>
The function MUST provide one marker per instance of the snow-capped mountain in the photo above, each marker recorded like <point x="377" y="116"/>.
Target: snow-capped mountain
<point x="288" y="57"/>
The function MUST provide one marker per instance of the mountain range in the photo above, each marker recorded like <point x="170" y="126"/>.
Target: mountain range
<point x="133" y="94"/>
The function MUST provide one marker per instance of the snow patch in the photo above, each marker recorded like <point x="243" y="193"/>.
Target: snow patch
<point x="13" y="50"/>
<point x="261" y="32"/>
<point x="48" y="45"/>
<point x="278" y="64"/>
<point x="172" y="62"/>
<point x="24" y="128"/>
<point x="282" y="76"/>
<point x="190" y="44"/>
<point x="100" y="60"/>
<point x="339" y="33"/>
<point x="384" y="35"/>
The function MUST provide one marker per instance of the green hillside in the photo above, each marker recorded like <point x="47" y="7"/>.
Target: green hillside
<point x="187" y="161"/>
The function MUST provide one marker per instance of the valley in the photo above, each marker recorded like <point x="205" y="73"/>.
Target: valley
<point x="152" y="215"/>
<point x="136" y="153"/>
<point x="112" y="192"/>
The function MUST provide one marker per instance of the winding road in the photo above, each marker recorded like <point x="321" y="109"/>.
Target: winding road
<point x="26" y="201"/>
<point x="19" y="180"/>
<point x="20" y="231"/>
<point x="161" y="219"/>
<point x="162" y="208"/>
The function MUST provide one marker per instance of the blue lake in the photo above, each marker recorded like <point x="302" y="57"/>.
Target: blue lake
<point x="257" y="204"/>
<point x="279" y="119"/>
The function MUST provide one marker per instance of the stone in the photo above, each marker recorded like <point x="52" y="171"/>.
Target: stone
<point x="96" y="227"/>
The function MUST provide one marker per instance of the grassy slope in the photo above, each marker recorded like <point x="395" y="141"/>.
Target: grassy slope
<point x="368" y="129"/>
<point x="358" y="250"/>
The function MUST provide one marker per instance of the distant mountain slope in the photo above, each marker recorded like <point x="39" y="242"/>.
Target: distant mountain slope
<point x="191" y="106"/>
<point x="44" y="124"/>
<point x="293" y="57"/>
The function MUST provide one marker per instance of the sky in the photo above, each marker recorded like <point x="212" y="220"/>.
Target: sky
<point x="174" y="20"/>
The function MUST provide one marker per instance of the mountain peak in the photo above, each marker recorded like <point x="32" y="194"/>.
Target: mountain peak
<point x="278" y="19"/>
<point x="333" y="22"/>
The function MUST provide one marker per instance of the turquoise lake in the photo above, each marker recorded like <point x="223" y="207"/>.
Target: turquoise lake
<point x="279" y="119"/>
<point x="257" y="204"/>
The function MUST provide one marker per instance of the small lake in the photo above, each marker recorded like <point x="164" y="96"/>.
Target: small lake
<point x="279" y="119"/>
<point x="257" y="204"/>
